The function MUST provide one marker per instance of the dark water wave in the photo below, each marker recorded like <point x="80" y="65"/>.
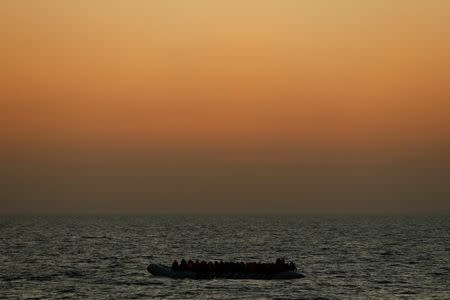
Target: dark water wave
<point x="106" y="257"/>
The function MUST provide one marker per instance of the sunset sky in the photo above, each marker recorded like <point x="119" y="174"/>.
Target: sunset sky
<point x="278" y="106"/>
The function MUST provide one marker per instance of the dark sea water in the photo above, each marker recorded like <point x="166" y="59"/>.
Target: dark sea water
<point x="105" y="257"/>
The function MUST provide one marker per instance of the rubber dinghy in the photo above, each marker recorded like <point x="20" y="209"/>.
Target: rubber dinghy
<point x="164" y="271"/>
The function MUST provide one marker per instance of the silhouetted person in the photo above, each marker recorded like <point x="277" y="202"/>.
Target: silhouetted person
<point x="183" y="265"/>
<point x="292" y="266"/>
<point x="251" y="267"/>
<point x="196" y="266"/>
<point x="203" y="267"/>
<point x="210" y="267"/>
<point x="175" y="266"/>
<point x="242" y="267"/>
<point x="216" y="267"/>
<point x="280" y="265"/>
<point x="232" y="267"/>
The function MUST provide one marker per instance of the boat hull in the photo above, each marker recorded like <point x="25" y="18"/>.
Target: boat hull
<point x="164" y="271"/>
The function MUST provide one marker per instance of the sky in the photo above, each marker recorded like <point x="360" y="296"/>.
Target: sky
<point x="272" y="107"/>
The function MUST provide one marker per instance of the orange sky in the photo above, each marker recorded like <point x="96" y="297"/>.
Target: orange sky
<point x="348" y="82"/>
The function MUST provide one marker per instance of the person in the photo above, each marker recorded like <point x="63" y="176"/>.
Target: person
<point x="251" y="267"/>
<point x="292" y="266"/>
<point x="241" y="267"/>
<point x="175" y="265"/>
<point x="196" y="266"/>
<point x="210" y="267"/>
<point x="183" y="265"/>
<point x="216" y="267"/>
<point x="190" y="265"/>
<point x="280" y="265"/>
<point x="259" y="268"/>
<point x="233" y="268"/>
<point x="203" y="267"/>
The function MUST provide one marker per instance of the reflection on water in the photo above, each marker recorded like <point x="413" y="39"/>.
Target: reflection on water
<point x="106" y="257"/>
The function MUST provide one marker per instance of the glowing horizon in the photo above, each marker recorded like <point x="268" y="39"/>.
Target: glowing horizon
<point x="288" y="88"/>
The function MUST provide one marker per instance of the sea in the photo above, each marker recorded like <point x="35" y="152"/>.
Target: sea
<point x="342" y="257"/>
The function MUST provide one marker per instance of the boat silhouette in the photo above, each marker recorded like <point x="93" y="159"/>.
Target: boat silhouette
<point x="161" y="270"/>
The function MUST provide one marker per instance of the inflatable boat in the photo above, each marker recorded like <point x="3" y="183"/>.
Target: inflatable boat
<point x="164" y="271"/>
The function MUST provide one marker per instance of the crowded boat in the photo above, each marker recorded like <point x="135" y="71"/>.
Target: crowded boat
<point x="280" y="269"/>
<point x="233" y="267"/>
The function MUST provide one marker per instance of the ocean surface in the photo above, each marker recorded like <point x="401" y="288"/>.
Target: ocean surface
<point x="105" y="257"/>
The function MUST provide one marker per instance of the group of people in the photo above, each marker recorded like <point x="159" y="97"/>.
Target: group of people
<point x="233" y="267"/>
